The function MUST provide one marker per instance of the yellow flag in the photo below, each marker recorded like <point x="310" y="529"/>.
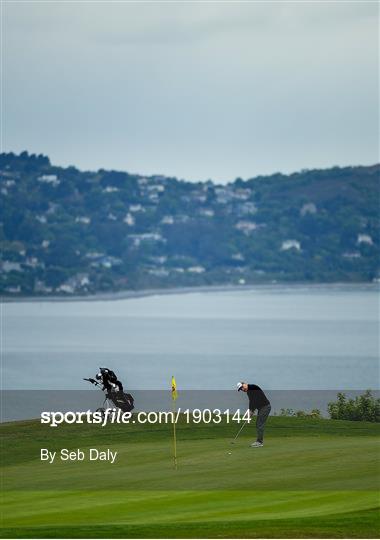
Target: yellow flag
<point x="174" y="389"/>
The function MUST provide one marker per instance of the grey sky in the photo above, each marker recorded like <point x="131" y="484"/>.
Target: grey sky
<point x="195" y="90"/>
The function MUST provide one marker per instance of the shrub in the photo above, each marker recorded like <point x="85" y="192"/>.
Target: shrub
<point x="365" y="407"/>
<point x="315" y="413"/>
<point x="287" y="412"/>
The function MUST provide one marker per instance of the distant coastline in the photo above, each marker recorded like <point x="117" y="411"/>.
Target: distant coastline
<point x="81" y="233"/>
<point x="129" y="294"/>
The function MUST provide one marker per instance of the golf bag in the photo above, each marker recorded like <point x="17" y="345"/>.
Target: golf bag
<point x="114" y="392"/>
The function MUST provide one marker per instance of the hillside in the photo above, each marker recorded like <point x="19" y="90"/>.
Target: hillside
<point x="307" y="481"/>
<point x="65" y="231"/>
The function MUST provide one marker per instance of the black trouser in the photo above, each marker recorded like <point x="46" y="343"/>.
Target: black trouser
<point x="262" y="415"/>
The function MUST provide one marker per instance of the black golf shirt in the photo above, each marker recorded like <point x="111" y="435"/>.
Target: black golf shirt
<point x="257" y="398"/>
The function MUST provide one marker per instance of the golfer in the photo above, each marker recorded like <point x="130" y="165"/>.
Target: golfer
<point x="259" y="401"/>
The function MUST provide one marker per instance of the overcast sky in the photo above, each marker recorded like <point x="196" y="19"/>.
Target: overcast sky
<point x="193" y="90"/>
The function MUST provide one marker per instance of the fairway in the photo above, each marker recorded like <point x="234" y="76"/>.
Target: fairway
<point x="313" y="478"/>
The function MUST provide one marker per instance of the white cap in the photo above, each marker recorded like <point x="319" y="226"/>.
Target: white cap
<point x="239" y="386"/>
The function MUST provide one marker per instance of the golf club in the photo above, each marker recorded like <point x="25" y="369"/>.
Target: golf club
<point x="238" y="433"/>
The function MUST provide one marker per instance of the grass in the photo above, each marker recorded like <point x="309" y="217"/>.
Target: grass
<point x="313" y="478"/>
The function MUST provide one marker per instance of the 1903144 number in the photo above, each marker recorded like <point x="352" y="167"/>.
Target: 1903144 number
<point x="216" y="416"/>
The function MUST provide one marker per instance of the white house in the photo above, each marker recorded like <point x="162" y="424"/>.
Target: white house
<point x="247" y="208"/>
<point x="49" y="179"/>
<point x="146" y="237"/>
<point x="238" y="257"/>
<point x="13" y="290"/>
<point x="9" y="266"/>
<point x="129" y="220"/>
<point x="223" y="195"/>
<point x="158" y="272"/>
<point x="207" y="212"/>
<point x="167" y="220"/>
<point x="291" y="244"/>
<point x="83" y="219"/>
<point x="365" y="239"/>
<point x="53" y="207"/>
<point x="242" y="194"/>
<point x="351" y="255"/>
<point x="158" y="188"/>
<point x="308" y="208"/>
<point x="93" y="255"/>
<point x="159" y="259"/>
<point x="246" y="226"/>
<point x="40" y="286"/>
<point x="136" y="208"/>
<point x="66" y="288"/>
<point x="33" y="262"/>
<point x="74" y="283"/>
<point x="196" y="269"/>
<point x="199" y="196"/>
<point x="108" y="261"/>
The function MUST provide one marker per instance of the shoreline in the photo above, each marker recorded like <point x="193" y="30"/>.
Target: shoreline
<point x="128" y="294"/>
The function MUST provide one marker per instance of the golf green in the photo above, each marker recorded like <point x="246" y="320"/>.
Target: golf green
<point x="313" y="478"/>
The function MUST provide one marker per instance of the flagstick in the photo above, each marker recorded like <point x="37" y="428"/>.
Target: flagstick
<point x="174" y="438"/>
<point x="174" y="397"/>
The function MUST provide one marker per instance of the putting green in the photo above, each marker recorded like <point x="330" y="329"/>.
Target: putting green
<point x="312" y="478"/>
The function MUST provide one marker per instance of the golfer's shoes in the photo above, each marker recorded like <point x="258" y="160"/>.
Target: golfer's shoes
<point x="256" y="444"/>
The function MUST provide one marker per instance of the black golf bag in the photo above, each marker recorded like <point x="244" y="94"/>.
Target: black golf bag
<point x="114" y="392"/>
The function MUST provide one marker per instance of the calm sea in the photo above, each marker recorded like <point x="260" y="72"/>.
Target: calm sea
<point x="281" y="337"/>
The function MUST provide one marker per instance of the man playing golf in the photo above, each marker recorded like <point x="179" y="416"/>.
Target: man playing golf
<point x="259" y="401"/>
